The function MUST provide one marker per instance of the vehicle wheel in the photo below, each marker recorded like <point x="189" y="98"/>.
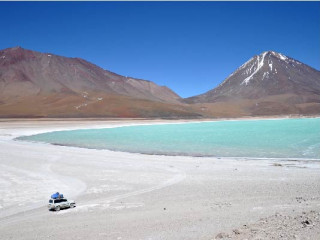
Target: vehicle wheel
<point x="57" y="208"/>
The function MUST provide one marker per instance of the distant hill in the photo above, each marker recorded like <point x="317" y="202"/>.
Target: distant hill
<point x="268" y="84"/>
<point x="34" y="84"/>
<point x="46" y="85"/>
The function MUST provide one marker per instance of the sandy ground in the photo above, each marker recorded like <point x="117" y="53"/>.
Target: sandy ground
<point x="135" y="196"/>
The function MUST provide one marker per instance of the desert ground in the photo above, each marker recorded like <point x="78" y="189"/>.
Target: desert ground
<point x="135" y="196"/>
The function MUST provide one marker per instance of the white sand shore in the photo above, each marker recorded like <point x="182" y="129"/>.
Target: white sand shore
<point x="135" y="196"/>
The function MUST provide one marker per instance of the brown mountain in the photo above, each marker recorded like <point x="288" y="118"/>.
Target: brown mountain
<point x="46" y="85"/>
<point x="268" y="84"/>
<point x="34" y="84"/>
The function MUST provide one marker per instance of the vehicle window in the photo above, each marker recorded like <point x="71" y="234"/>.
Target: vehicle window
<point x="63" y="200"/>
<point x="57" y="201"/>
<point x="50" y="201"/>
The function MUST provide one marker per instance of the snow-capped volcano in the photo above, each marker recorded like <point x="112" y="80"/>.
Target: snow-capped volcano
<point x="255" y="64"/>
<point x="265" y="75"/>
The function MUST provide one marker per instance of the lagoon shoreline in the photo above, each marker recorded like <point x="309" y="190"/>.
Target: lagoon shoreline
<point x="280" y="139"/>
<point x="135" y="196"/>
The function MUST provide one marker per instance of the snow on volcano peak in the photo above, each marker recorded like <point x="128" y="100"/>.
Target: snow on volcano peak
<point x="260" y="63"/>
<point x="282" y="57"/>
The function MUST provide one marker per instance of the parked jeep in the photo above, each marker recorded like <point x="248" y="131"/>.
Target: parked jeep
<point x="60" y="203"/>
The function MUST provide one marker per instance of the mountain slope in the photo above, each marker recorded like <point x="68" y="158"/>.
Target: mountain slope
<point x="34" y="84"/>
<point x="47" y="85"/>
<point x="268" y="84"/>
<point x="25" y="72"/>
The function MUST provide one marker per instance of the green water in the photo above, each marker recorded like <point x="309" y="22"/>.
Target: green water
<point x="283" y="138"/>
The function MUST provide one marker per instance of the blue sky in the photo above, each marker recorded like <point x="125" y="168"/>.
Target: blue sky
<point x="188" y="46"/>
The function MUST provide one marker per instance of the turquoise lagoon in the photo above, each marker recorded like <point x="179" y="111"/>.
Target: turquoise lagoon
<point x="281" y="138"/>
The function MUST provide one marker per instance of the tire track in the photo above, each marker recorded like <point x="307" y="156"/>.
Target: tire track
<point x="180" y="176"/>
